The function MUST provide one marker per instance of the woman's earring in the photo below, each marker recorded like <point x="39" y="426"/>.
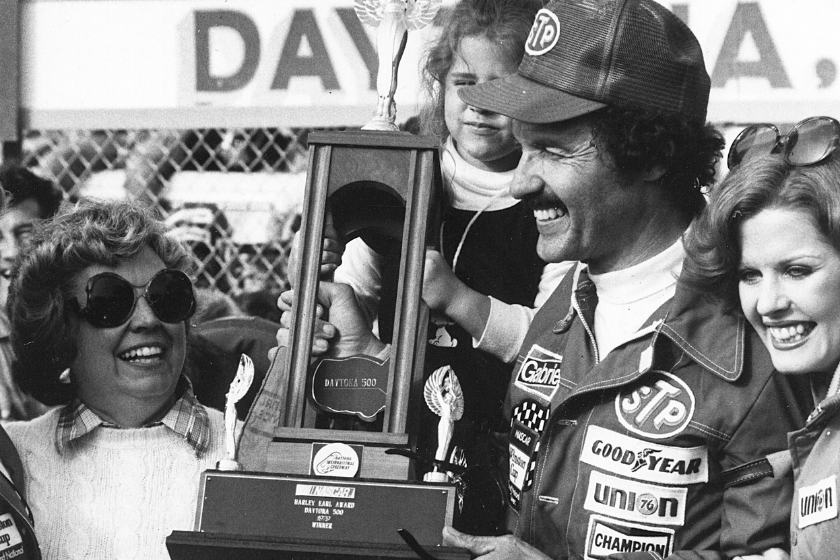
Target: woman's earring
<point x="65" y="376"/>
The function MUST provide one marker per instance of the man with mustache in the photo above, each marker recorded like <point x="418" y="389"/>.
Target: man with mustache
<point x="641" y="415"/>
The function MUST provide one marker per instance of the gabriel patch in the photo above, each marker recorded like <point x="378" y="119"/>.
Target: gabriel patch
<point x="539" y="373"/>
<point x="659" y="408"/>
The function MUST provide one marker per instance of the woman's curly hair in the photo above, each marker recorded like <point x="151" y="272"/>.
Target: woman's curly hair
<point x="639" y="140"/>
<point x="92" y="233"/>
<point x="713" y="244"/>
<point x="504" y="22"/>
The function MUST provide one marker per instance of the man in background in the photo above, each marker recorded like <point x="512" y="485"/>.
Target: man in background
<point x="30" y="200"/>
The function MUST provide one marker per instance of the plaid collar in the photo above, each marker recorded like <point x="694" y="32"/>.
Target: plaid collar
<point x="187" y="418"/>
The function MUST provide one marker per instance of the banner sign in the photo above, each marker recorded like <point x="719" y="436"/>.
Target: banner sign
<point x="313" y="63"/>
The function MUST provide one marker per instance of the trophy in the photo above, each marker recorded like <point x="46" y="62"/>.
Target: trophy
<point x="238" y="387"/>
<point x="445" y="398"/>
<point x="392" y="20"/>
<point x="327" y="446"/>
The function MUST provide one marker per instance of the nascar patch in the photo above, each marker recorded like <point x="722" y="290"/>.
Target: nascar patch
<point x="607" y="536"/>
<point x="635" y="501"/>
<point x="660" y="408"/>
<point x="818" y="503"/>
<point x="527" y="425"/>
<point x="539" y="374"/>
<point x="642" y="460"/>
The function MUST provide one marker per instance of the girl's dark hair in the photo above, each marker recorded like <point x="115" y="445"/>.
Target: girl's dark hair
<point x="713" y="243"/>
<point x="103" y="233"/>
<point x="505" y="22"/>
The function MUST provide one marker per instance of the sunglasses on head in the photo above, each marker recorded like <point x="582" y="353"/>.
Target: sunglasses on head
<point x="809" y="142"/>
<point x="111" y="299"/>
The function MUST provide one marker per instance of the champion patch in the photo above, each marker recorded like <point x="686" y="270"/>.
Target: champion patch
<point x="818" y="503"/>
<point x="540" y="373"/>
<point x="635" y="501"/>
<point x="642" y="460"/>
<point x="660" y="408"/>
<point x="544" y="33"/>
<point x="605" y="537"/>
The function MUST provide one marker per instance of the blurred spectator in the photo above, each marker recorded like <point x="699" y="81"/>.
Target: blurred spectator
<point x="213" y="357"/>
<point x="157" y="158"/>
<point x="73" y="158"/>
<point x="204" y="228"/>
<point x="260" y="303"/>
<point x="31" y="199"/>
<point x="213" y="304"/>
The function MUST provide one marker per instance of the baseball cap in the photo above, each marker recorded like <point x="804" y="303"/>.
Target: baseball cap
<point x="583" y="55"/>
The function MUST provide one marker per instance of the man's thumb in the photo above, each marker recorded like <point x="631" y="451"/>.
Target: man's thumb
<point x="453" y="537"/>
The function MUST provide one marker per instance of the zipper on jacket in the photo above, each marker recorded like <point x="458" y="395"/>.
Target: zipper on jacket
<point x="586" y="326"/>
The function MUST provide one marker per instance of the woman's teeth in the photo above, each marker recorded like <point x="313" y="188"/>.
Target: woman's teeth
<point x="145" y="352"/>
<point x="793" y="333"/>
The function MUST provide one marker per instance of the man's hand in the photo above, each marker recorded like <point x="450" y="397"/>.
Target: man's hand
<point x="331" y="251"/>
<point x="507" y="547"/>
<point x="771" y="554"/>
<point x="346" y="333"/>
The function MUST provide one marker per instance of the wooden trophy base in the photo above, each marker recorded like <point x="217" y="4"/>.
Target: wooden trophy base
<point x="185" y="545"/>
<point x="260" y="515"/>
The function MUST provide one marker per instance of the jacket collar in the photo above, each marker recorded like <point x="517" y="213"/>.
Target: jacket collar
<point x="700" y="328"/>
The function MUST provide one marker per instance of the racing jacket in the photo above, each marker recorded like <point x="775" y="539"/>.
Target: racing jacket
<point x="658" y="448"/>
<point x="17" y="529"/>
<point x="815" y="524"/>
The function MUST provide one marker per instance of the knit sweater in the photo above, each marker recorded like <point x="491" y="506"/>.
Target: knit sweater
<point x="114" y="494"/>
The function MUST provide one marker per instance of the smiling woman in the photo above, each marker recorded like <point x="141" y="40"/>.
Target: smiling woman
<point x="99" y="305"/>
<point x="768" y="245"/>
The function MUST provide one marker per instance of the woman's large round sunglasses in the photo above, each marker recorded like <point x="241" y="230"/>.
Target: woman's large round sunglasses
<point x="809" y="142"/>
<point x="111" y="299"/>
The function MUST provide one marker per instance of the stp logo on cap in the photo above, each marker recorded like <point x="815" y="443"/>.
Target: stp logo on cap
<point x="544" y="33"/>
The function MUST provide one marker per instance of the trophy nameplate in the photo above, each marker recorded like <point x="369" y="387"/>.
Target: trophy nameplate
<point x="329" y="509"/>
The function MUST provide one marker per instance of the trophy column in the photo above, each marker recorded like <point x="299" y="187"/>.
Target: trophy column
<point x="382" y="187"/>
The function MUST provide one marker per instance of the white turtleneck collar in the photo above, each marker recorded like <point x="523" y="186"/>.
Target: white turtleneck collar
<point x="471" y="188"/>
<point x="627" y="297"/>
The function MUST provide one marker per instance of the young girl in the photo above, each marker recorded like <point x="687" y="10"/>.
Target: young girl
<point x="486" y="277"/>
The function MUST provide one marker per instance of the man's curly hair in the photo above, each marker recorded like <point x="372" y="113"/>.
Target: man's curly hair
<point x="638" y="141"/>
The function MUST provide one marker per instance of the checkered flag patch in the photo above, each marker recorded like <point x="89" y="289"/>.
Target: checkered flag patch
<point x="532" y="415"/>
<point x="529" y="477"/>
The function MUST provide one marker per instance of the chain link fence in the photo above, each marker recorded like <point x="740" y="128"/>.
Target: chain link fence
<point x="234" y="196"/>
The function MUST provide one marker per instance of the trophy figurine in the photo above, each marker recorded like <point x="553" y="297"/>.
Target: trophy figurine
<point x="445" y="398"/>
<point x="238" y="387"/>
<point x="393" y="19"/>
